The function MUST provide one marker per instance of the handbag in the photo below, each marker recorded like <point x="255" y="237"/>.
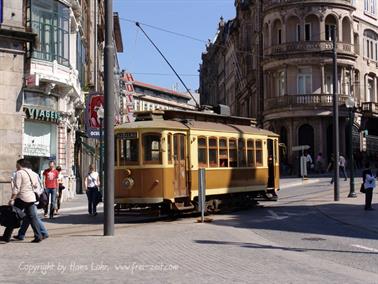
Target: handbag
<point x="98" y="196"/>
<point x="61" y="186"/>
<point x="362" y="189"/>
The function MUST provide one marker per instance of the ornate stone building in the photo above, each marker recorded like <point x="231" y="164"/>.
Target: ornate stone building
<point x="296" y="63"/>
<point x="229" y="72"/>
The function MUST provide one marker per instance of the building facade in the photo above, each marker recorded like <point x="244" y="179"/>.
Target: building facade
<point x="51" y="57"/>
<point x="14" y="39"/>
<point x="147" y="97"/>
<point x="296" y="67"/>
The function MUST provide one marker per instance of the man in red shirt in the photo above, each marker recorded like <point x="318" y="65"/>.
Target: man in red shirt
<point x="50" y="177"/>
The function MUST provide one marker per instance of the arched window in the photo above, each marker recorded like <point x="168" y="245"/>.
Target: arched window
<point x="370" y="44"/>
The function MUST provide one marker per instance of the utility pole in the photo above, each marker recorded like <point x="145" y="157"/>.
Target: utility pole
<point x="109" y="121"/>
<point x="335" y="99"/>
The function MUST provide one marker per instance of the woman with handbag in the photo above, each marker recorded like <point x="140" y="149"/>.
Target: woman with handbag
<point x="61" y="187"/>
<point x="92" y="182"/>
<point x="368" y="186"/>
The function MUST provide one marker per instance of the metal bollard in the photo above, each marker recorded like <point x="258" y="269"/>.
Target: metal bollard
<point x="202" y="192"/>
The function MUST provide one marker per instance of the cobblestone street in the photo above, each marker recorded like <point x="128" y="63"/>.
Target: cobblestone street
<point x="291" y="241"/>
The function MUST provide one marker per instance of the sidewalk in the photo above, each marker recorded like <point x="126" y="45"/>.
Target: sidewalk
<point x="350" y="211"/>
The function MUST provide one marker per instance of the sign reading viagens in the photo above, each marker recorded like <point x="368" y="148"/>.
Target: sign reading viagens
<point x="41" y="114"/>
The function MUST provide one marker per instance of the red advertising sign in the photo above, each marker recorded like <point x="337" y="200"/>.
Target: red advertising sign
<point x="94" y="105"/>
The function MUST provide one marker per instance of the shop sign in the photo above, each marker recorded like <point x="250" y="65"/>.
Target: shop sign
<point x="34" y="149"/>
<point x="94" y="102"/>
<point x="41" y="114"/>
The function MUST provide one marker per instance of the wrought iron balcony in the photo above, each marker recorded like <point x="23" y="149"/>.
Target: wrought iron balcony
<point x="309" y="46"/>
<point x="302" y="101"/>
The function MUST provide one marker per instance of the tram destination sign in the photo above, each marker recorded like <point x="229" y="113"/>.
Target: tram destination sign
<point x="127" y="135"/>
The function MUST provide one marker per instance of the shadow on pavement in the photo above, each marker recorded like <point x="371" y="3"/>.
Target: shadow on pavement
<point x="343" y="220"/>
<point x="258" y="246"/>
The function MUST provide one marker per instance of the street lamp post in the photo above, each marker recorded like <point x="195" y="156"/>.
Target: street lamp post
<point x="335" y="99"/>
<point x="100" y="114"/>
<point x="350" y="106"/>
<point x="109" y="52"/>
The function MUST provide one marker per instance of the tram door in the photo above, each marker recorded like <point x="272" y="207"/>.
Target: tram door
<point x="271" y="159"/>
<point x="179" y="155"/>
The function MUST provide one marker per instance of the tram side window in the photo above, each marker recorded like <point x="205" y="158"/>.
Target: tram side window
<point x="223" y="155"/>
<point x="259" y="153"/>
<point x="151" y="146"/>
<point x="233" y="154"/>
<point x="169" y="145"/>
<point x="129" y="151"/>
<point x="251" y="153"/>
<point x="213" y="152"/>
<point x="242" y="154"/>
<point x="202" y="152"/>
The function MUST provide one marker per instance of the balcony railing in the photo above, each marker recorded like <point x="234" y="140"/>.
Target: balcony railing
<point x="309" y="46"/>
<point x="299" y="101"/>
<point x="271" y="3"/>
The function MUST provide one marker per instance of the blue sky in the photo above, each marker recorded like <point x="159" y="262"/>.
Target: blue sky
<point x="195" y="18"/>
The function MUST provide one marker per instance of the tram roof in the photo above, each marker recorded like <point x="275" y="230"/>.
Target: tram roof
<point x="182" y="120"/>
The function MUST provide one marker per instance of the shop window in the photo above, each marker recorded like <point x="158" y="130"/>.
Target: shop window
<point x="233" y="154"/>
<point x="169" y="146"/>
<point x="213" y="153"/>
<point x="40" y="100"/>
<point x="223" y="153"/>
<point x="151" y="146"/>
<point x="251" y="152"/>
<point x="259" y="153"/>
<point x="242" y="153"/>
<point x="202" y="152"/>
<point x="49" y="19"/>
<point x="129" y="152"/>
<point x="80" y="60"/>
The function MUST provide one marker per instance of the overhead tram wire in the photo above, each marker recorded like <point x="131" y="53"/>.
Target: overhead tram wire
<point x="204" y="41"/>
<point x="169" y="64"/>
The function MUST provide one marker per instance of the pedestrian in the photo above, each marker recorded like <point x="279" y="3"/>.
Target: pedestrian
<point x="60" y="189"/>
<point x="369" y="185"/>
<point x="309" y="162"/>
<point x="26" y="222"/>
<point x="342" y="165"/>
<point x="319" y="163"/>
<point x="50" y="177"/>
<point x="23" y="197"/>
<point x="92" y="182"/>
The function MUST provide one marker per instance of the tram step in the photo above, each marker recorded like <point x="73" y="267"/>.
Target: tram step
<point x="182" y="207"/>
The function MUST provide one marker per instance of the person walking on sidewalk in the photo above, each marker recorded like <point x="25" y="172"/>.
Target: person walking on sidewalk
<point x="23" y="197"/>
<point x="342" y="164"/>
<point x="60" y="189"/>
<point x="369" y="185"/>
<point x="92" y="182"/>
<point x="50" y="177"/>
<point x="26" y="222"/>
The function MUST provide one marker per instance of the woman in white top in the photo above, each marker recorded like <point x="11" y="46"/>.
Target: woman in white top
<point x="92" y="182"/>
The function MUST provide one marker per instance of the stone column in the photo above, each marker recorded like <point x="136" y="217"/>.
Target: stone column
<point x="286" y="78"/>
<point x="322" y="29"/>
<point x="322" y="79"/>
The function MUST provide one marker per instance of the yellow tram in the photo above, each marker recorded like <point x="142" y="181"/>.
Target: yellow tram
<point x="159" y="154"/>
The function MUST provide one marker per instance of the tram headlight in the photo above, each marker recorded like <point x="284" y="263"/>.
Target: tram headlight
<point x="128" y="183"/>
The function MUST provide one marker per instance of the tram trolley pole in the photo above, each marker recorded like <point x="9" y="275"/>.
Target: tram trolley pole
<point x="202" y="193"/>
